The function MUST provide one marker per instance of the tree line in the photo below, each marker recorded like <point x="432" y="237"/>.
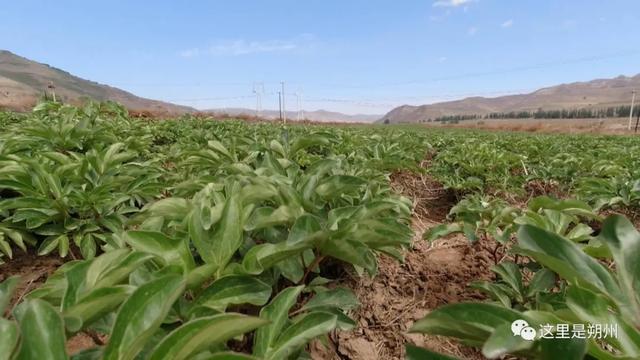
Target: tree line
<point x="581" y="113"/>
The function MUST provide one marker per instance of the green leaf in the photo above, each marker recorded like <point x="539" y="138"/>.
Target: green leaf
<point x="9" y="338"/>
<point x="566" y="259"/>
<point x="7" y="287"/>
<point x="43" y="331"/>
<point x="170" y="208"/>
<point x="502" y="342"/>
<point x="141" y="315"/>
<point x="277" y="313"/>
<point x="234" y="289"/>
<point x="200" y="275"/>
<point x="50" y="244"/>
<point x="571" y="349"/>
<point x="267" y="217"/>
<point x="594" y="308"/>
<point x="219" y="246"/>
<point x="97" y="303"/>
<point x="543" y="280"/>
<point x="338" y="185"/>
<point x="352" y="252"/>
<point x="493" y="290"/>
<point x="473" y="322"/>
<point x="199" y="334"/>
<point x="340" y="298"/>
<point x="172" y="251"/>
<point x="623" y="240"/>
<point x="300" y="333"/>
<point x="510" y="274"/>
<point x="264" y="256"/>
<point x="441" y="230"/>
<point x="229" y="356"/>
<point x="113" y="267"/>
<point x="418" y="353"/>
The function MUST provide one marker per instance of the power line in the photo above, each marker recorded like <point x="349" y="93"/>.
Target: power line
<point x="416" y="82"/>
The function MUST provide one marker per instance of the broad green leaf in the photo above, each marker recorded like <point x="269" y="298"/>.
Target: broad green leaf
<point x="300" y="333"/>
<point x="493" y="290"/>
<point x="199" y="334"/>
<point x="268" y="216"/>
<point x="50" y="244"/>
<point x="141" y="315"/>
<point x="306" y="227"/>
<point x="9" y="338"/>
<point x="200" y="275"/>
<point x="594" y="308"/>
<point x="113" y="267"/>
<point x="474" y="322"/>
<point x="418" y="353"/>
<point x="172" y="251"/>
<point x="264" y="256"/>
<point x="570" y="349"/>
<point x="352" y="252"/>
<point x="510" y="274"/>
<point x="543" y="280"/>
<point x="172" y="208"/>
<point x="7" y="287"/>
<point x="97" y="303"/>
<point x="277" y="313"/>
<point x="441" y="230"/>
<point x="43" y="330"/>
<point x="566" y="259"/>
<point x="217" y="247"/>
<point x="337" y="185"/>
<point x="623" y="240"/>
<point x="340" y="298"/>
<point x="75" y="278"/>
<point x="234" y="289"/>
<point x="502" y="342"/>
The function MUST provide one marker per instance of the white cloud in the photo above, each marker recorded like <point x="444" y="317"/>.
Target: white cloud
<point x="442" y="59"/>
<point x="452" y="3"/>
<point x="245" y="47"/>
<point x="189" y="53"/>
<point x="507" y="24"/>
<point x="472" y="31"/>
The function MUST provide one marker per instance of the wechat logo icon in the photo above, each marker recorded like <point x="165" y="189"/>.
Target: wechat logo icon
<point x="521" y="328"/>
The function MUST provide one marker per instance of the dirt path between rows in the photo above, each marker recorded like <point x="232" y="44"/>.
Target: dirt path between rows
<point x="431" y="275"/>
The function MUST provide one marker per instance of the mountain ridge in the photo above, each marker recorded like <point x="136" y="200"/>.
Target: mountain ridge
<point x="595" y="93"/>
<point x="313" y="115"/>
<point x="24" y="81"/>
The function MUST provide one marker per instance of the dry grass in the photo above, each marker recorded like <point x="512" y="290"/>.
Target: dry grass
<point x="578" y="126"/>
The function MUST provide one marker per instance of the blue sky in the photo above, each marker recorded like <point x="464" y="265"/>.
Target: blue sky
<point x="358" y="56"/>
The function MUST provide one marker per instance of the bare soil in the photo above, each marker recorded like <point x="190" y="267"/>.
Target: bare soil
<point x="613" y="126"/>
<point x="32" y="269"/>
<point x="402" y="293"/>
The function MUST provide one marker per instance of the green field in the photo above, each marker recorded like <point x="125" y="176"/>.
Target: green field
<point x="204" y="239"/>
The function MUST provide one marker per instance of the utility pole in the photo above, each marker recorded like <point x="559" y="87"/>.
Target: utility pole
<point x="258" y="89"/>
<point x="280" y="103"/>
<point x="284" y="109"/>
<point x="300" y="115"/>
<point x="633" y="100"/>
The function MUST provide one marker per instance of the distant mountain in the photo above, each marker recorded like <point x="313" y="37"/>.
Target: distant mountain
<point x="23" y="82"/>
<point x="595" y="94"/>
<point x="317" y="115"/>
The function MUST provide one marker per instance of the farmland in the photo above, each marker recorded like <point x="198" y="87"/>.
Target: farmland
<point x="203" y="239"/>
